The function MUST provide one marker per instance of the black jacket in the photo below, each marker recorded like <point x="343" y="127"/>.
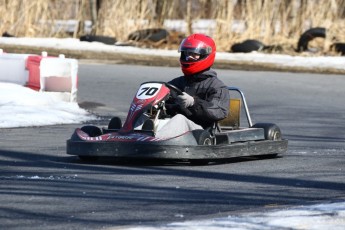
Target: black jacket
<point x="211" y="97"/>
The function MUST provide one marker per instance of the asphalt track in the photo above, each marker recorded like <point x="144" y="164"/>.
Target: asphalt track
<point x="43" y="188"/>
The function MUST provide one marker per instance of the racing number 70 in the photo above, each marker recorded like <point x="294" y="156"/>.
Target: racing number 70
<point x="149" y="91"/>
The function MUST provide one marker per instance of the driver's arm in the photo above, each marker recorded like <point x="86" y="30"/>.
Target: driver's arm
<point x="214" y="107"/>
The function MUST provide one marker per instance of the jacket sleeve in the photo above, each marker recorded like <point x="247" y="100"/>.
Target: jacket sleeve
<point x="215" y="106"/>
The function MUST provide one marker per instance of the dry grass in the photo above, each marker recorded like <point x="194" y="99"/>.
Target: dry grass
<point x="270" y="21"/>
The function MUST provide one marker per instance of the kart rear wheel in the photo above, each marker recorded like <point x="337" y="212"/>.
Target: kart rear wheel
<point x="92" y="131"/>
<point x="203" y="137"/>
<point x="271" y="131"/>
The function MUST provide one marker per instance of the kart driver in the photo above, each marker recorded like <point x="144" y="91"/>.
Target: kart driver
<point x="205" y="97"/>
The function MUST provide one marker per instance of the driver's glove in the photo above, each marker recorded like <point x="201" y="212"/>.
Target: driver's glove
<point x="185" y="100"/>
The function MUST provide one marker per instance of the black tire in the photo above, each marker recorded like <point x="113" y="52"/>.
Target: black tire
<point x="203" y="137"/>
<point x="115" y="123"/>
<point x="271" y="131"/>
<point x="5" y="34"/>
<point x="339" y="47"/>
<point x="153" y="35"/>
<point x="97" y="38"/>
<point x="149" y="125"/>
<point x="247" y="46"/>
<point x="92" y="131"/>
<point x="309" y="35"/>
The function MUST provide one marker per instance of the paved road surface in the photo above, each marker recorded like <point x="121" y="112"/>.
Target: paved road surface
<point x="43" y="188"/>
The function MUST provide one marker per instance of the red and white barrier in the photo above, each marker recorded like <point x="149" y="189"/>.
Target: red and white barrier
<point x="56" y="75"/>
<point x="12" y="68"/>
<point x="51" y="74"/>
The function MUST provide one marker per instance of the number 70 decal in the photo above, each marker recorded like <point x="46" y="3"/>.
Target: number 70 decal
<point x="148" y="90"/>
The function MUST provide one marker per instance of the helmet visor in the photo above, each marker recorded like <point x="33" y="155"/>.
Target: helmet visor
<point x="199" y="48"/>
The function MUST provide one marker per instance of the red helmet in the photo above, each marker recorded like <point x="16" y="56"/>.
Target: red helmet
<point x="198" y="52"/>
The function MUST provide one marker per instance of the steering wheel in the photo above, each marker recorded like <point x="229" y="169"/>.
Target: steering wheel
<point x="173" y="88"/>
<point x="178" y="92"/>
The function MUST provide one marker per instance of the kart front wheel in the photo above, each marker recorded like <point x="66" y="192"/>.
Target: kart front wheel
<point x="115" y="123"/>
<point x="92" y="131"/>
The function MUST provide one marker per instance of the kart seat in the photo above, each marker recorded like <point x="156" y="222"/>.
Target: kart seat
<point x="232" y="121"/>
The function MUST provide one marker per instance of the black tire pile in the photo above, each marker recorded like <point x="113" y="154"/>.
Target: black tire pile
<point x="302" y="44"/>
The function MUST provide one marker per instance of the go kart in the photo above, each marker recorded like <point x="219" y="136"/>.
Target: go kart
<point x="226" y="139"/>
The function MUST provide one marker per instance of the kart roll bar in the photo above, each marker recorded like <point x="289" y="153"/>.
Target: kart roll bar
<point x="246" y="110"/>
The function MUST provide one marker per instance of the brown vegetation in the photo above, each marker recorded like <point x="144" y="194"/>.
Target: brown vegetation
<point x="270" y="21"/>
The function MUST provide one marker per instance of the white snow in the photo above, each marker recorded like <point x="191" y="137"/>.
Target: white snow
<point x="314" y="217"/>
<point x="21" y="106"/>
<point x="36" y="177"/>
